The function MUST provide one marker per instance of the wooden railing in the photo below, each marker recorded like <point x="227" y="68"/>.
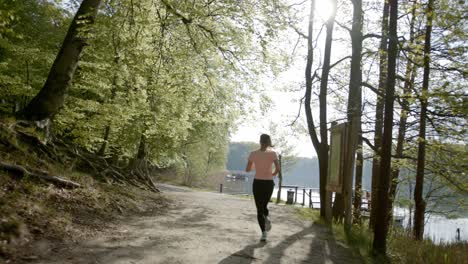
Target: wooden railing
<point x="310" y="193"/>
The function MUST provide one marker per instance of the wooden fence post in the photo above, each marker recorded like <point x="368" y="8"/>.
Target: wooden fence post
<point x="280" y="180"/>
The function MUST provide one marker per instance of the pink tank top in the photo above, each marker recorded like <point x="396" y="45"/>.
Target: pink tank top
<point x="263" y="163"/>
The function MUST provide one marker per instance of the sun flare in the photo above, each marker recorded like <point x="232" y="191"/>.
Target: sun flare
<point x="324" y="9"/>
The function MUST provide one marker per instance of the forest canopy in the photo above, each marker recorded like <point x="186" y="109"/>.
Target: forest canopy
<point x="162" y="81"/>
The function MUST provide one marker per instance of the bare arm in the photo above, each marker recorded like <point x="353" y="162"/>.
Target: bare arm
<point x="249" y="166"/>
<point x="277" y="167"/>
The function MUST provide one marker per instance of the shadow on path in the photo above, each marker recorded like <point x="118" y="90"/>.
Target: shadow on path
<point x="277" y="252"/>
<point x="243" y="256"/>
<point x="323" y="247"/>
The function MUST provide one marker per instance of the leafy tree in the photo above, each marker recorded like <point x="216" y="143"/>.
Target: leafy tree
<point x="51" y="97"/>
<point x="28" y="50"/>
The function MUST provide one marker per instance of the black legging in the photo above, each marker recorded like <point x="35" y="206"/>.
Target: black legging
<point x="262" y="191"/>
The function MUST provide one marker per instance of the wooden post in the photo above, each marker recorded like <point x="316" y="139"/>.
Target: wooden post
<point x="295" y="195"/>
<point x="310" y="198"/>
<point x="280" y="180"/>
<point x="303" y="196"/>
<point x="221" y="188"/>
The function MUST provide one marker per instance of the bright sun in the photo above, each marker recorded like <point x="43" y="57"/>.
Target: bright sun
<point x="323" y="9"/>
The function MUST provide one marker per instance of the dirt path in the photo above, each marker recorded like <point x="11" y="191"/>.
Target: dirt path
<point x="204" y="227"/>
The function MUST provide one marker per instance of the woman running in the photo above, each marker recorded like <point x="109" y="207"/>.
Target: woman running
<point x="262" y="160"/>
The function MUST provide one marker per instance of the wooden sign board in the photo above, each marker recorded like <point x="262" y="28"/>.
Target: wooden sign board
<point x="338" y="149"/>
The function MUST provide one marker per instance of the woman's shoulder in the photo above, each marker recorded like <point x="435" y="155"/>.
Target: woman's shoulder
<point x="273" y="154"/>
<point x="271" y="150"/>
<point x="254" y="152"/>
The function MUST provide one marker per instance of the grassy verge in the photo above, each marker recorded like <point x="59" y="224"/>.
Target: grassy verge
<point x="403" y="249"/>
<point x="400" y="247"/>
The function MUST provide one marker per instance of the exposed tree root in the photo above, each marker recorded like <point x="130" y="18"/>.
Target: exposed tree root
<point x="54" y="150"/>
<point x="57" y="181"/>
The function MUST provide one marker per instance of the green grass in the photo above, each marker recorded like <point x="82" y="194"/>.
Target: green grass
<point x="359" y="239"/>
<point x="403" y="249"/>
<point x="309" y="214"/>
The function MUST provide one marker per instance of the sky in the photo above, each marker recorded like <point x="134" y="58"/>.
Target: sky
<point x="285" y="104"/>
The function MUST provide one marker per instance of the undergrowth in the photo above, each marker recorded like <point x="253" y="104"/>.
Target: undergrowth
<point x="400" y="247"/>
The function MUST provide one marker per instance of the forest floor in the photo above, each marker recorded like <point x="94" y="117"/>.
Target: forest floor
<point x="201" y="227"/>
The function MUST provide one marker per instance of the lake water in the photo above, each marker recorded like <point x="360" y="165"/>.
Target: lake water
<point x="437" y="228"/>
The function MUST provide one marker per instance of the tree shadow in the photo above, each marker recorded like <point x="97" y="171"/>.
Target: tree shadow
<point x="243" y="256"/>
<point x="277" y="252"/>
<point x="326" y="249"/>
<point x="323" y="247"/>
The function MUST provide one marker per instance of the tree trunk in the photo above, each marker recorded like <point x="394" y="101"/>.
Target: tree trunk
<point x="52" y="95"/>
<point x="410" y="75"/>
<point x="381" y="223"/>
<point x="379" y="114"/>
<point x="410" y="218"/>
<point x="358" y="182"/>
<point x="102" y="149"/>
<point x="420" y="204"/>
<point x="323" y="153"/>
<point x="307" y="108"/>
<point x="280" y="181"/>
<point x="142" y="149"/>
<point x="354" y="108"/>
<point x="338" y="208"/>
<point x="208" y="162"/>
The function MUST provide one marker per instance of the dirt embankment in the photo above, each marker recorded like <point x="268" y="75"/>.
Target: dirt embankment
<point x="32" y="212"/>
<point x="44" y="197"/>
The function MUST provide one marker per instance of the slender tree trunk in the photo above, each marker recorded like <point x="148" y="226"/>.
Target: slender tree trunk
<point x="420" y="204"/>
<point x="102" y="149"/>
<point x="410" y="75"/>
<point x="381" y="223"/>
<point x="358" y="182"/>
<point x="323" y="150"/>
<point x="379" y="114"/>
<point x="410" y="219"/>
<point x="52" y="95"/>
<point x="307" y="108"/>
<point x="208" y="162"/>
<point x="280" y="181"/>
